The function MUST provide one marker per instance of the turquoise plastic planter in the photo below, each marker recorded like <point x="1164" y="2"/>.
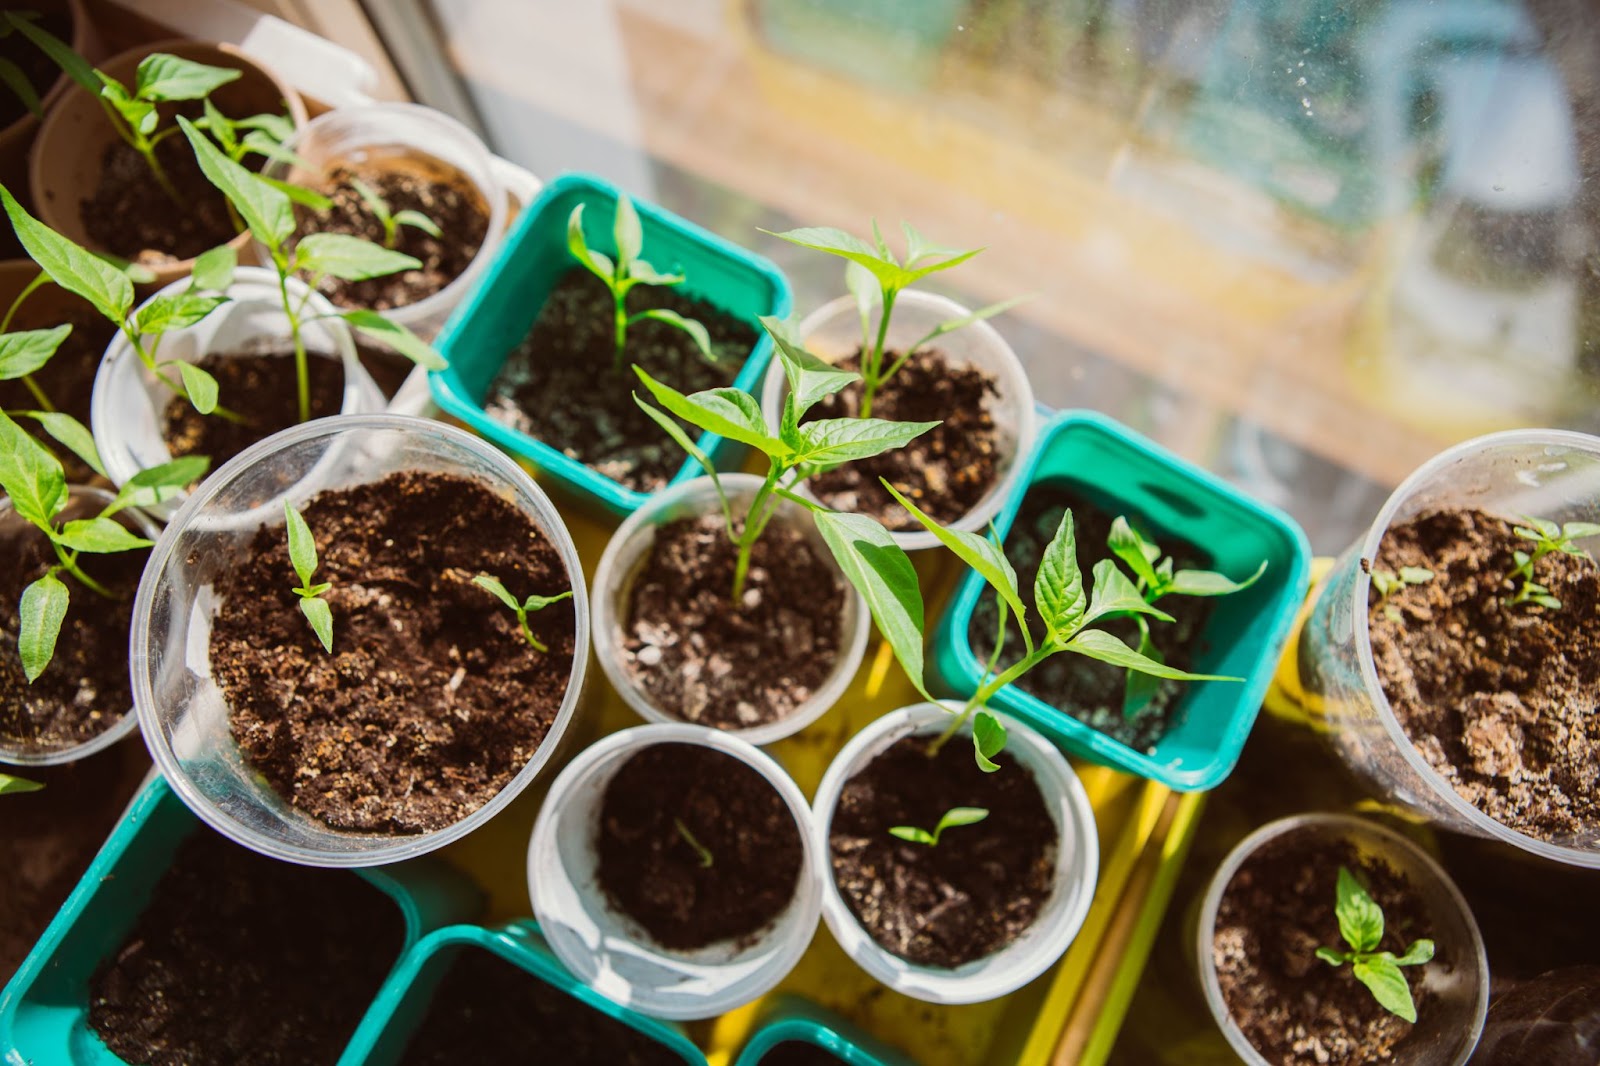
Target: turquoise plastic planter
<point x="799" y="1022"/>
<point x="403" y="1003"/>
<point x="1125" y="473"/>
<point x="502" y="307"/>
<point x="44" y="1011"/>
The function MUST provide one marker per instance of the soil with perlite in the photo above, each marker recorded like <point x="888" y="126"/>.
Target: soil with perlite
<point x="664" y="801"/>
<point x="1502" y="700"/>
<point x="263" y="390"/>
<point x="238" y="958"/>
<point x="699" y="656"/>
<point x="562" y="387"/>
<point x="1293" y="1007"/>
<point x="432" y="700"/>
<point x="1089" y="690"/>
<point x="974" y="893"/>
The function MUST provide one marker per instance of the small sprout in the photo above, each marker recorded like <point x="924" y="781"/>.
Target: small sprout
<point x="706" y="858"/>
<point x="1388" y="583"/>
<point x="953" y="817"/>
<point x="391" y="221"/>
<point x="523" y="609"/>
<point x="1361" y="926"/>
<point x="9" y="785"/>
<point x="303" y="556"/>
<point x="1548" y="538"/>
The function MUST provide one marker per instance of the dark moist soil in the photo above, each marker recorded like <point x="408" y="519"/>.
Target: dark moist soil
<point x="131" y="216"/>
<point x="260" y="387"/>
<point x="946" y="471"/>
<point x="974" y="893"/>
<point x="1275" y="913"/>
<point x="560" y="384"/>
<point x="486" y="1011"/>
<point x="37" y="67"/>
<point x="432" y="700"/>
<point x="1503" y="701"/>
<point x="389" y="369"/>
<point x="1089" y="690"/>
<point x="650" y="872"/>
<point x="701" y="659"/>
<point x="84" y="691"/>
<point x="240" y="959"/>
<point x="798" y="1053"/>
<point x="67" y="379"/>
<point x="451" y="202"/>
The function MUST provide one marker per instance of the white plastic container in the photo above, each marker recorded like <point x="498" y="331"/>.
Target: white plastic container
<point x="609" y="951"/>
<point x="626" y="553"/>
<point x="181" y="708"/>
<point x="1549" y="473"/>
<point x="833" y="333"/>
<point x="128" y="402"/>
<point x="1077" y="863"/>
<point x="95" y="500"/>
<point x="1448" y="1027"/>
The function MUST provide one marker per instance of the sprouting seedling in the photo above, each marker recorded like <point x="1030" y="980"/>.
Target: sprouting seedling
<point x="268" y="212"/>
<point x="1389" y="582"/>
<point x="1155" y="577"/>
<point x="1361" y="926"/>
<point x="706" y="858"/>
<point x="1548" y="538"/>
<point x="953" y="817"/>
<point x="623" y="273"/>
<point x="793" y="454"/>
<point x="522" y="609"/>
<point x="9" y="785"/>
<point x="876" y="279"/>
<point x="37" y="486"/>
<point x="303" y="557"/>
<point x="391" y="221"/>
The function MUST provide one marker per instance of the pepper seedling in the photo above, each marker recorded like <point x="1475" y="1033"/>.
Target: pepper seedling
<point x="706" y="858"/>
<point x="303" y="557"/>
<point x="265" y="135"/>
<point x="9" y="785"/>
<point x="876" y="278"/>
<point x="522" y="609"/>
<point x="1548" y="538"/>
<point x="623" y="273"/>
<point x="391" y="221"/>
<point x="1388" y="582"/>
<point x="1361" y="926"/>
<point x="953" y="817"/>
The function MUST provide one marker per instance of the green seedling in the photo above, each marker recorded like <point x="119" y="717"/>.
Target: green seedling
<point x="953" y="817"/>
<point x="1155" y="577"/>
<point x="793" y="454"/>
<point x="9" y="785"/>
<point x="1548" y="538"/>
<point x="303" y="557"/>
<point x="37" y="486"/>
<point x="391" y="221"/>
<point x="706" y="858"/>
<point x="265" y="135"/>
<point x="623" y="273"/>
<point x="1361" y="926"/>
<point x="1387" y="582"/>
<point x="522" y="609"/>
<point x="876" y="278"/>
<point x="268" y="212"/>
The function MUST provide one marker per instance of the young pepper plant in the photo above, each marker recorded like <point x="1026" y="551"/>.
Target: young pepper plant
<point x="1548" y="538"/>
<point x="955" y="816"/>
<point x="303" y="557"/>
<point x="391" y="220"/>
<point x="1361" y="926"/>
<point x="523" y="608"/>
<point x="264" y="135"/>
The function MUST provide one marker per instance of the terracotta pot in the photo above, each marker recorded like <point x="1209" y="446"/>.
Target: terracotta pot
<point x="66" y="159"/>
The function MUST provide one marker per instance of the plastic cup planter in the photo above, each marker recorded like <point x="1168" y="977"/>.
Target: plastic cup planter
<point x="1447" y="1028"/>
<point x="833" y="333"/>
<point x="411" y="139"/>
<point x="44" y="1010"/>
<point x="1549" y="473"/>
<point x="1125" y="473"/>
<point x="126" y="411"/>
<point x="607" y="950"/>
<point x="1077" y="865"/>
<point x="119" y="727"/>
<point x="498" y="313"/>
<point x="181" y="708"/>
<point x="402" y="1005"/>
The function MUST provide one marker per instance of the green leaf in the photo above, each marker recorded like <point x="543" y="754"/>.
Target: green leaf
<point x="99" y="536"/>
<point x="177" y="473"/>
<point x="349" y="258"/>
<point x="417" y="220"/>
<point x="30" y="475"/>
<point x="302" y="545"/>
<point x="1360" y="917"/>
<point x="810" y="379"/>
<point x="679" y="437"/>
<point x="696" y="332"/>
<point x="201" y="387"/>
<point x="1139" y="688"/>
<point x="628" y="234"/>
<point x="491" y="583"/>
<point x="829" y="441"/>
<point x="320" y="615"/>
<point x="43" y="606"/>
<point x="595" y="262"/>
<point x="1098" y="644"/>
<point x="375" y="203"/>
<point x="19" y="84"/>
<point x="1387" y="985"/>
<point x="1331" y="957"/>
<point x="1419" y="952"/>
<point x="960" y="816"/>
<point x="988" y="740"/>
<point x="953" y="324"/>
<point x="72" y="435"/>
<point x="217" y="124"/>
<point x="1113" y="593"/>
<point x="265" y="209"/>
<point x="170" y="311"/>
<point x="75" y="269"/>
<point x="1140" y="555"/>
<point x="213" y="270"/>
<point x="1411" y="575"/>
<point x="15" y="785"/>
<point x="310" y="199"/>
<point x="1210" y="583"/>
<point x="645" y="274"/>
<point x="168" y="77"/>
<point x="1058" y="590"/>
<point x="1580" y="530"/>
<point x="396" y="336"/>
<point x="889" y="274"/>
<point x="1544" y="527"/>
<point x="912" y="834"/>
<point x="726" y="412"/>
<point x="537" y="602"/>
<point x="882" y="572"/>
<point x="27" y="350"/>
<point x="72" y="64"/>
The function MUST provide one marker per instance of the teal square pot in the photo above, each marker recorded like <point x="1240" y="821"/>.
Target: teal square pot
<point x="497" y="314"/>
<point x="44" y="1011"/>
<point x="1123" y="472"/>
<point x="402" y="1004"/>
<point x="797" y="1021"/>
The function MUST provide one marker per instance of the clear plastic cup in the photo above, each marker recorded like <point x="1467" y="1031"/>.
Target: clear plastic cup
<point x="1447" y="1028"/>
<point x="418" y="139"/>
<point x="609" y="951"/>
<point x="91" y="501"/>
<point x="181" y="708"/>
<point x="626" y="553"/>
<point x="1077" y="864"/>
<point x="1549" y="473"/>
<point x="833" y="332"/>
<point x="128" y="401"/>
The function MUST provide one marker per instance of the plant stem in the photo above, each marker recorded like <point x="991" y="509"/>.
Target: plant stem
<point x="27" y="290"/>
<point x="69" y="563"/>
<point x="986" y="692"/>
<point x="619" y="300"/>
<point x="755" y="523"/>
<point x="148" y="150"/>
<point x="870" y="367"/>
<point x="302" y="371"/>
<point x="38" y="393"/>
